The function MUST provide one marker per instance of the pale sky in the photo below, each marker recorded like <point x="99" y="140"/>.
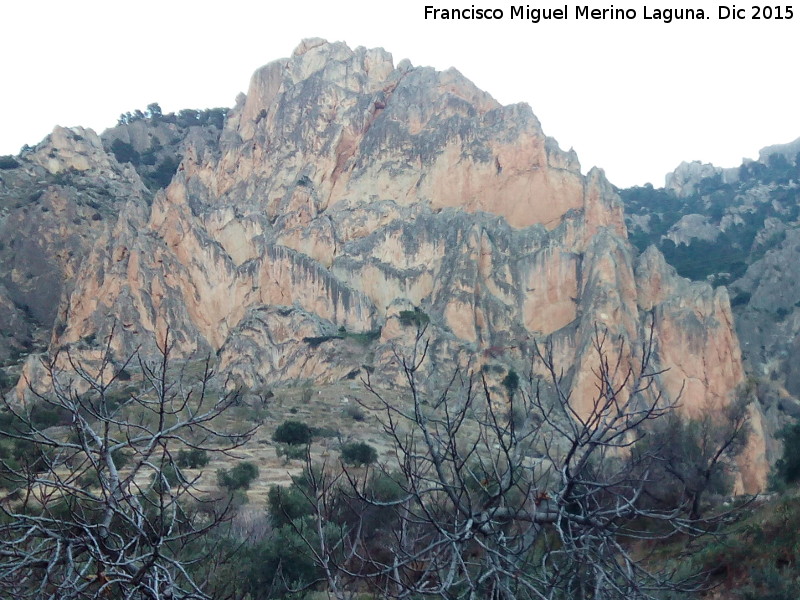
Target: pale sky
<point x="634" y="97"/>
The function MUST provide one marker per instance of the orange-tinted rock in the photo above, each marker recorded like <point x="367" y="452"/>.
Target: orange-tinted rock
<point x="345" y="191"/>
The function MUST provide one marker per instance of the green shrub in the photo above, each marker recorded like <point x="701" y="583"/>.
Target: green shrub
<point x="740" y="299"/>
<point x="358" y="454"/>
<point x="414" y="317"/>
<point x="325" y="432"/>
<point x="154" y="112"/>
<point x="10" y="424"/>
<point x="286" y="504"/>
<point x="188" y="117"/>
<point x="280" y="565"/>
<point x="124" y="152"/>
<point x="315" y="341"/>
<point x="291" y="451"/>
<point x="169" y="477"/>
<point x="293" y="433"/>
<point x="149" y="158"/>
<point x="194" y="458"/>
<point x="769" y="583"/>
<point x="165" y="171"/>
<point x="787" y="469"/>
<point x="511" y="382"/>
<point x="32" y="456"/>
<point x="8" y="162"/>
<point x="121" y="458"/>
<point x="355" y="412"/>
<point x="6" y="381"/>
<point x="239" y="477"/>
<point x="385" y="487"/>
<point x="364" y="338"/>
<point x="45" y="415"/>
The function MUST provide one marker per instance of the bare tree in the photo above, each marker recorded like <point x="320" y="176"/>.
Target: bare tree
<point x="97" y="507"/>
<point x="694" y="458"/>
<point x="512" y="498"/>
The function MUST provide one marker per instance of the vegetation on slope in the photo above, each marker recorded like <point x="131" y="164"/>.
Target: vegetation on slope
<point x="278" y="544"/>
<point x="738" y="210"/>
<point x="158" y="159"/>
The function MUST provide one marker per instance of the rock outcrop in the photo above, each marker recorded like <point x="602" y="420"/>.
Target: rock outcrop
<point x="53" y="206"/>
<point x="349" y="200"/>
<point x="156" y="143"/>
<point x="788" y="151"/>
<point x="687" y="177"/>
<point x="684" y="179"/>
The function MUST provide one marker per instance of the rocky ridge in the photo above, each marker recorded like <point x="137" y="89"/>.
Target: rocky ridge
<point x="348" y="200"/>
<point x="738" y="228"/>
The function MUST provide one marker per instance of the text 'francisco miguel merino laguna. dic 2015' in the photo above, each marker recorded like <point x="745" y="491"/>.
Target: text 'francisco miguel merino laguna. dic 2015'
<point x="585" y="12"/>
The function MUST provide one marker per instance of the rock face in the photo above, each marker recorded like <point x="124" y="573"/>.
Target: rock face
<point x="768" y="313"/>
<point x="59" y="196"/>
<point x="741" y="232"/>
<point x="349" y="200"/>
<point x="53" y="205"/>
<point x="693" y="227"/>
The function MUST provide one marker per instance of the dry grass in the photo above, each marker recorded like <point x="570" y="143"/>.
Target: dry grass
<point x="325" y="407"/>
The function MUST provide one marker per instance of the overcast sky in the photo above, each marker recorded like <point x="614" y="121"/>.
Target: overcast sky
<point x="634" y="97"/>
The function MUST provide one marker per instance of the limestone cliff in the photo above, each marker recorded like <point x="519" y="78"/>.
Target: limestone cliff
<point x="348" y="199"/>
<point x="53" y="205"/>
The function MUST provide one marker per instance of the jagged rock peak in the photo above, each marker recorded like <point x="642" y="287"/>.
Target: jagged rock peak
<point x="683" y="181"/>
<point x="686" y="177"/>
<point x="360" y="71"/>
<point x="378" y="132"/>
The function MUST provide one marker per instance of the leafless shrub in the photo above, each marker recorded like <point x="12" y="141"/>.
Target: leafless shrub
<point x="82" y="525"/>
<point x="546" y="505"/>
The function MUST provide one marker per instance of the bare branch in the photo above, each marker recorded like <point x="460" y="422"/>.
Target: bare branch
<point x="101" y="508"/>
<point x="528" y="497"/>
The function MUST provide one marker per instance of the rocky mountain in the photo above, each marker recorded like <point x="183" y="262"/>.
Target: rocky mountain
<point x="345" y="203"/>
<point x="738" y="228"/>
